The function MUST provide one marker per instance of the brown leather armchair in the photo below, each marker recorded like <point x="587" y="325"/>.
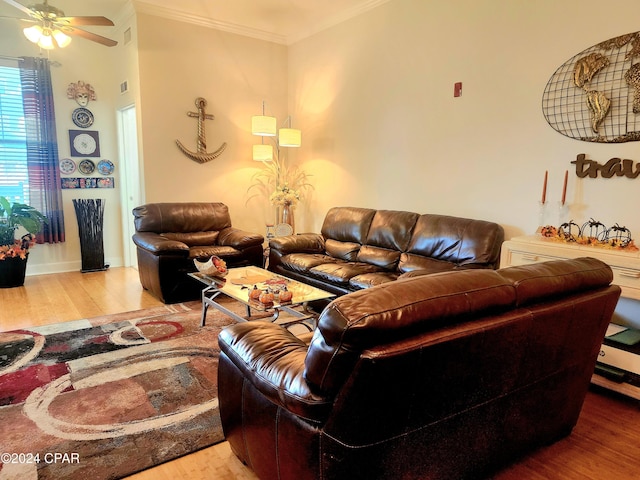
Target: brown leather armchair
<point x="170" y="235"/>
<point x="443" y="376"/>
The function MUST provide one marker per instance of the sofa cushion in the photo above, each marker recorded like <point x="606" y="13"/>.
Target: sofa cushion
<point x="381" y="257"/>
<point x="303" y="262"/>
<point x="207" y="251"/>
<point x="410" y="262"/>
<point x="181" y="217"/>
<point x="395" y="310"/>
<point x="347" y="224"/>
<point x="456" y="240"/>
<point x="391" y="229"/>
<point x="341" y="272"/>
<point x="368" y="280"/>
<point x="541" y="281"/>
<point x="193" y="239"/>
<point x="343" y="250"/>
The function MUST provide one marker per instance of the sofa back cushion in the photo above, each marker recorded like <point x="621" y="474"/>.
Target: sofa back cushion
<point x="388" y="236"/>
<point x="399" y="310"/>
<point x="193" y="239"/>
<point x="457" y="240"/>
<point x="395" y="310"/>
<point x="556" y="278"/>
<point x="345" y="230"/>
<point x="181" y="217"/>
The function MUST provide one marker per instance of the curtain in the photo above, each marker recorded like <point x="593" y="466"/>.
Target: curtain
<point x="42" y="147"/>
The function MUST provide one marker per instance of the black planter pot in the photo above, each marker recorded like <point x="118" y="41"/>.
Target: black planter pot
<point x="12" y="272"/>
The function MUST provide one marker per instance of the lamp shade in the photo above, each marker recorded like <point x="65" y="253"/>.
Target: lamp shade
<point x="46" y="41"/>
<point x="263" y="125"/>
<point x="62" y="39"/>
<point x="290" y="137"/>
<point x="33" y="33"/>
<point x="263" y="153"/>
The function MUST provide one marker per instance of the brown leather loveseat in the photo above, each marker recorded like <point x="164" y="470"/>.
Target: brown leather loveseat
<point x="361" y="247"/>
<point x="170" y="235"/>
<point x="445" y="376"/>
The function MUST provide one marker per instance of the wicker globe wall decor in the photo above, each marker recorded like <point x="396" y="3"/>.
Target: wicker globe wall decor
<point x="595" y="95"/>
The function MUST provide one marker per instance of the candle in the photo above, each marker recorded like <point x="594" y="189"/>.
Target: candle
<point x="544" y="187"/>
<point x="564" y="187"/>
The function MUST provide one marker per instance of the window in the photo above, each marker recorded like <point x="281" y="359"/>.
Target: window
<point x="29" y="170"/>
<point x="14" y="179"/>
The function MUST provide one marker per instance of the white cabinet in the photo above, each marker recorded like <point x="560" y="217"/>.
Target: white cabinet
<point x="535" y="248"/>
<point x="626" y="273"/>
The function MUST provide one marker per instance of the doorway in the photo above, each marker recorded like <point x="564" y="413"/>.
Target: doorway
<point x="130" y="186"/>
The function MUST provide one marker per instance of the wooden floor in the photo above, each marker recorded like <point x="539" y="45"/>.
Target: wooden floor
<point x="604" y="445"/>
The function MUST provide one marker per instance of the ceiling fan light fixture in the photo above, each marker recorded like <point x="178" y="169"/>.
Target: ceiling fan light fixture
<point x="33" y="33"/>
<point x="44" y="37"/>
<point x="62" y="39"/>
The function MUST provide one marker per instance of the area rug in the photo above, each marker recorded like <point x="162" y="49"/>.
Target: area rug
<point x="107" y="397"/>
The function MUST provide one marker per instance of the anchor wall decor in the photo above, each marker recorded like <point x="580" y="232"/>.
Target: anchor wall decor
<point x="201" y="155"/>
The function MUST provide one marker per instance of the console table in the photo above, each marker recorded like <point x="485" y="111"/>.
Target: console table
<point x="626" y="273"/>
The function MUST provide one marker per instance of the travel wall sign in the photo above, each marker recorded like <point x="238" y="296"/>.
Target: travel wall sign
<point x="614" y="167"/>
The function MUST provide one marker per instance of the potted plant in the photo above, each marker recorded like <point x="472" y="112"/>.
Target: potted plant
<point x="283" y="186"/>
<point x="14" y="252"/>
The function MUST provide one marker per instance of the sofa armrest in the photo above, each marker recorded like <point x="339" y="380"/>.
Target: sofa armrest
<point x="158" y="245"/>
<point x="240" y="239"/>
<point x="272" y="359"/>
<point x="303" y="243"/>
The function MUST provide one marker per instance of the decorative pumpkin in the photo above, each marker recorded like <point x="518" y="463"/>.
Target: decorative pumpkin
<point x="548" y="231"/>
<point x="285" y="295"/>
<point x="266" y="297"/>
<point x="255" y="293"/>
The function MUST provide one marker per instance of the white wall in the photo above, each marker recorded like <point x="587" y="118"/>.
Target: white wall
<point x="233" y="74"/>
<point x="91" y="63"/>
<point x="374" y="99"/>
<point x="374" y="96"/>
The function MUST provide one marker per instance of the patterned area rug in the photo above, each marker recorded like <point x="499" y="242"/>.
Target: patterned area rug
<point x="107" y="397"/>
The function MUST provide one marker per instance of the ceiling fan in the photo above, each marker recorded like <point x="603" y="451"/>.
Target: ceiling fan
<point x="52" y="28"/>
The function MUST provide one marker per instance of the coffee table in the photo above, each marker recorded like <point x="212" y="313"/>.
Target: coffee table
<point x="240" y="281"/>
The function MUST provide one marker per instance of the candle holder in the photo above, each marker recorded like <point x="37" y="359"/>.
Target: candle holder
<point x="563" y="209"/>
<point x="542" y="213"/>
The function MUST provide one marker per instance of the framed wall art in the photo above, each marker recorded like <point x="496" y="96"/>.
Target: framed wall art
<point x="84" y="143"/>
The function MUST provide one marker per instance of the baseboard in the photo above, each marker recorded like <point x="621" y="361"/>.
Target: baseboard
<point x="63" y="267"/>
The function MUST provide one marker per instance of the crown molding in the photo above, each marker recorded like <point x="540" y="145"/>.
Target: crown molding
<point x="181" y="16"/>
<point x="343" y="16"/>
<point x="146" y="7"/>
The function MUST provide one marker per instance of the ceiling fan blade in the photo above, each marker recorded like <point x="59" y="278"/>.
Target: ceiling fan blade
<point x="99" y="21"/>
<point x="92" y="36"/>
<point x="19" y="6"/>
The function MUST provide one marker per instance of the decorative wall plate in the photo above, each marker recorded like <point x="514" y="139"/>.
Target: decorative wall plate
<point x="67" y="166"/>
<point x="105" y="167"/>
<point x="86" y="166"/>
<point x="82" y="117"/>
<point x="84" y="143"/>
<point x="283" y="229"/>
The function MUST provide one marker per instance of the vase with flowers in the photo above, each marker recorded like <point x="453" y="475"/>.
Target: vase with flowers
<point x="284" y="186"/>
<point x="14" y="252"/>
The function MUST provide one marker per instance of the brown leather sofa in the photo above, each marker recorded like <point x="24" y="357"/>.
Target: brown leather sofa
<point x="360" y="247"/>
<point x="170" y="235"/>
<point x="444" y="376"/>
